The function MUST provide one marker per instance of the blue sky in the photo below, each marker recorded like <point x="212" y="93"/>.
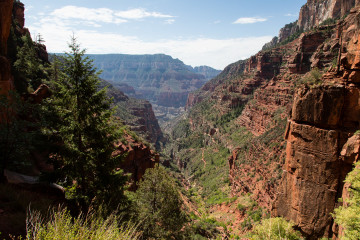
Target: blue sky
<point x="199" y="32"/>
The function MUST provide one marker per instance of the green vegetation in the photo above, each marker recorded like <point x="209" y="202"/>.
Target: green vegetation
<point x="274" y="229"/>
<point x="29" y="68"/>
<point x="83" y="123"/>
<point x="234" y="113"/>
<point x="312" y="78"/>
<point x="62" y="225"/>
<point x="347" y="216"/>
<point x="159" y="205"/>
<point x="328" y="21"/>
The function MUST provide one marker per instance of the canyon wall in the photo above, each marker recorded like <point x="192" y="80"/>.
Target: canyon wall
<point x="6" y="79"/>
<point x="136" y="113"/>
<point x="158" y="78"/>
<point x="322" y="120"/>
<point x="314" y="12"/>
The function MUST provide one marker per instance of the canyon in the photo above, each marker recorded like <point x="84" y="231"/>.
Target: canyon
<point x="305" y="84"/>
<point x="272" y="135"/>
<point x="162" y="80"/>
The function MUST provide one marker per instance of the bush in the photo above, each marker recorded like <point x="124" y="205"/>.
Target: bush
<point x="275" y="228"/>
<point x="62" y="226"/>
<point x="312" y="78"/>
<point x="348" y="216"/>
<point x="159" y="205"/>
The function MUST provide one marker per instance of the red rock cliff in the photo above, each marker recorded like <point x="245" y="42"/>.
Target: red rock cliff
<point x="314" y="12"/>
<point x="138" y="158"/>
<point x="322" y="120"/>
<point x="6" y="80"/>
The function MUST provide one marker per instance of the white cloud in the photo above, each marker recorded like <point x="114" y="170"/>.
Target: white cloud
<point x="216" y="53"/>
<point x="290" y="15"/>
<point x="104" y="15"/>
<point x="248" y="20"/>
<point x="94" y="16"/>
<point x="169" y="21"/>
<point x="139" y="13"/>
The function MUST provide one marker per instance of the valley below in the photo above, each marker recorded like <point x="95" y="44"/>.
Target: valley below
<point x="267" y="148"/>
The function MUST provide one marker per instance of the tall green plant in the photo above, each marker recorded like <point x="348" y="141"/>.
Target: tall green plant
<point x="82" y="119"/>
<point x="158" y="205"/>
<point x="275" y="229"/>
<point x="348" y="216"/>
<point x="29" y="68"/>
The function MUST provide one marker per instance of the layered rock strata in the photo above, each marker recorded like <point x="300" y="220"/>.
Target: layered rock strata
<point x="314" y="12"/>
<point x="322" y="120"/>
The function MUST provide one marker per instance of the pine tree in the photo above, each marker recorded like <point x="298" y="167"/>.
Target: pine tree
<point x="83" y="122"/>
<point x="158" y="205"/>
<point x="29" y="68"/>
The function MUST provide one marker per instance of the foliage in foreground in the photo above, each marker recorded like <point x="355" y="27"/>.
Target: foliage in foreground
<point x="348" y="216"/>
<point x="62" y="226"/>
<point x="274" y="229"/>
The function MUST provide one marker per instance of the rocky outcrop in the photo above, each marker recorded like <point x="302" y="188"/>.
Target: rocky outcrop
<point x="319" y="150"/>
<point x="308" y="44"/>
<point x="271" y="44"/>
<point x="137" y="158"/>
<point x="40" y="94"/>
<point x="288" y="30"/>
<point x="314" y="12"/>
<point x="136" y="113"/>
<point x="314" y="175"/>
<point x="5" y="24"/>
<point x="6" y="79"/>
<point x="231" y="71"/>
<point x="147" y="123"/>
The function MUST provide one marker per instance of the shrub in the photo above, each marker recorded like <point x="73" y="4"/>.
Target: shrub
<point x="159" y="205"/>
<point x="275" y="229"/>
<point x="62" y="226"/>
<point x="348" y="216"/>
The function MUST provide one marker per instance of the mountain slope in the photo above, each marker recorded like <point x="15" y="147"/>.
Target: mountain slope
<point x="245" y="110"/>
<point x="137" y="114"/>
<point x="158" y="78"/>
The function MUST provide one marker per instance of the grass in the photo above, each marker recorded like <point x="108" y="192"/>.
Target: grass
<point x="61" y="225"/>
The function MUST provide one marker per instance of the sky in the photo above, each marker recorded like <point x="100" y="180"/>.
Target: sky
<point x="215" y="33"/>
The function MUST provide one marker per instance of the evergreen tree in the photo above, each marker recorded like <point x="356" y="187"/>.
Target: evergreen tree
<point x="29" y="68"/>
<point x="158" y="205"/>
<point x="82" y="120"/>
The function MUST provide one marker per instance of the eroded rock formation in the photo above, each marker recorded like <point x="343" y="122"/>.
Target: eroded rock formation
<point x="322" y="120"/>
<point x="6" y="79"/>
<point x="137" y="158"/>
<point x="314" y="12"/>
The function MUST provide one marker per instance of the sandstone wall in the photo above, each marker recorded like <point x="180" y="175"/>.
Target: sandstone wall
<point x="322" y="120"/>
<point x="315" y="12"/>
